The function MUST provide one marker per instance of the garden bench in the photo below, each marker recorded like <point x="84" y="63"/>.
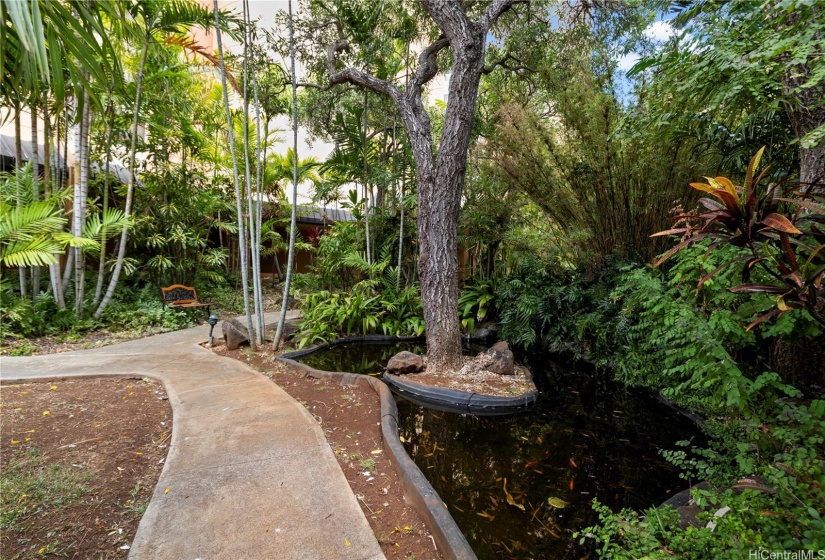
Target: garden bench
<point x="179" y="296"/>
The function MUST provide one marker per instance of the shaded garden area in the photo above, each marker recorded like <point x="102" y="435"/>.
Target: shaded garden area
<point x="639" y="186"/>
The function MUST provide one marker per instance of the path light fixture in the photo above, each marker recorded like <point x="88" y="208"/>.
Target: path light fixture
<point x="213" y="320"/>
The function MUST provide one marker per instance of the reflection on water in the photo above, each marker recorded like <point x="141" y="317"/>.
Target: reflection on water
<point x="367" y="358"/>
<point x="519" y="486"/>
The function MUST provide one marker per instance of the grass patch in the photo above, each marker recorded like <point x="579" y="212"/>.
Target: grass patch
<point x="30" y="488"/>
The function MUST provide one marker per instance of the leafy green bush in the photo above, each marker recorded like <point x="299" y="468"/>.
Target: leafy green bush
<point x="768" y="493"/>
<point x="362" y="310"/>
<point x="657" y="330"/>
<point x="23" y="318"/>
<point x="476" y="303"/>
<point x="372" y="306"/>
<point x="143" y="309"/>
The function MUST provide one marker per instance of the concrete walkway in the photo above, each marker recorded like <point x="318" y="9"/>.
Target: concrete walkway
<point x="249" y="473"/>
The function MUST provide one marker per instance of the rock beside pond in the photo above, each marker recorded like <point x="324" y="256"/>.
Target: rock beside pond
<point x="290" y="330"/>
<point x="499" y="359"/>
<point x="405" y="362"/>
<point x="235" y="334"/>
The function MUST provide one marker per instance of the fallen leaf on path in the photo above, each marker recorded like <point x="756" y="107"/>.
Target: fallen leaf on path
<point x="46" y="413"/>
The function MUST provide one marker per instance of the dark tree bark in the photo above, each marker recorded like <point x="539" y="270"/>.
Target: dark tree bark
<point x="805" y="118"/>
<point x="440" y="175"/>
<point x="807" y="112"/>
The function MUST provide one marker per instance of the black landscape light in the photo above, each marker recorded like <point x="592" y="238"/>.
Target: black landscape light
<point x="213" y="320"/>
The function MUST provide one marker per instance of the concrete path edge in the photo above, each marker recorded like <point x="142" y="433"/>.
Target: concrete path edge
<point x="417" y="489"/>
<point x="367" y="547"/>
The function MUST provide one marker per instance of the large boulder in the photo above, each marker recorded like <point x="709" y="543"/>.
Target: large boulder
<point x="235" y="334"/>
<point x="500" y="359"/>
<point x="405" y="362"/>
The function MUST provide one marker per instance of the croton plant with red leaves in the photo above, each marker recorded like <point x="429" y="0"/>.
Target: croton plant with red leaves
<point x="782" y="225"/>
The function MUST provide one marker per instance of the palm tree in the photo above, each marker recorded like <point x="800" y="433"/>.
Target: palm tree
<point x="159" y="18"/>
<point x="31" y="230"/>
<point x="241" y="229"/>
<point x="53" y="47"/>
<point x="290" y="254"/>
<point x="279" y="168"/>
<point x="354" y="155"/>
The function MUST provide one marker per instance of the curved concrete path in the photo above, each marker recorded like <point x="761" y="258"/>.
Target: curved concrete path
<point x="249" y="473"/>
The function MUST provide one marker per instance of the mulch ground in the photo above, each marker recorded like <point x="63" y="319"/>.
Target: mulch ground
<point x="79" y="462"/>
<point x="351" y="419"/>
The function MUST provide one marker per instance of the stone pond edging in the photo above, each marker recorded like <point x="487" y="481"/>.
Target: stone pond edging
<point x="417" y="489"/>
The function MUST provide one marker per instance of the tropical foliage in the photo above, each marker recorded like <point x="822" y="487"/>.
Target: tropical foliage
<point x="545" y="167"/>
<point x="765" y="220"/>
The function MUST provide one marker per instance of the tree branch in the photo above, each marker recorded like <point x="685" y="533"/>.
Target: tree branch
<point x="353" y="76"/>
<point x="495" y="10"/>
<point x="503" y="63"/>
<point x="428" y="63"/>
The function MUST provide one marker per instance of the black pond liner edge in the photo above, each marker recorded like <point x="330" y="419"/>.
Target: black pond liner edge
<point x="417" y="489"/>
<point x="462" y="402"/>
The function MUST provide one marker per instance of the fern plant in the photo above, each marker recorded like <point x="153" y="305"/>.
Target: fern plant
<point x="32" y="231"/>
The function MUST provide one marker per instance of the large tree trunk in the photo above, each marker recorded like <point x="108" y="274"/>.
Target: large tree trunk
<point x="439" y="203"/>
<point x="812" y="165"/>
<point x="441" y="179"/>
<point x="808" y="116"/>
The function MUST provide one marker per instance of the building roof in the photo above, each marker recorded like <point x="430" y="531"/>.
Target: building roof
<point x="7" y="150"/>
<point x="316" y="215"/>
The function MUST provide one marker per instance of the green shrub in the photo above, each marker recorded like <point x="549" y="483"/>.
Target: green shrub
<point x="771" y="477"/>
<point x="657" y="330"/>
<point x="476" y="303"/>
<point x="372" y="306"/>
<point x="362" y="310"/>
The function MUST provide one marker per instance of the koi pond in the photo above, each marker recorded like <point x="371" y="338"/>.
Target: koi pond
<point x="520" y="486"/>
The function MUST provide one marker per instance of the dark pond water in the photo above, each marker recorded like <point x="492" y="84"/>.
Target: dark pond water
<point x="587" y="437"/>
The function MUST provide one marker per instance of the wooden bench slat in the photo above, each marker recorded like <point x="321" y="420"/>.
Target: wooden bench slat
<point x="178" y="295"/>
